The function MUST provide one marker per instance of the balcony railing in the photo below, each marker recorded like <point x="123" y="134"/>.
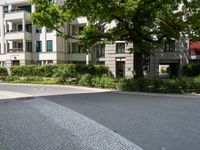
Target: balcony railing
<point x="14" y="50"/>
<point x="15" y="31"/>
<point x="17" y="10"/>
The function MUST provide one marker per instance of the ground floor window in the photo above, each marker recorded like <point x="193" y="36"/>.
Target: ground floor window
<point x="2" y="63"/>
<point x="195" y="61"/>
<point x="44" y="62"/>
<point x="146" y="66"/>
<point x="101" y="62"/>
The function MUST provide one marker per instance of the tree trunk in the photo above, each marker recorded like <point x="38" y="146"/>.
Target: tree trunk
<point x="138" y="65"/>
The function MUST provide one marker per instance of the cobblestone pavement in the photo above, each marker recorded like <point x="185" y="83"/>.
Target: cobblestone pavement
<point x="37" y="124"/>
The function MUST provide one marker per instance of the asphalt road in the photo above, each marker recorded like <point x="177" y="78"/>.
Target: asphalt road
<point x="154" y="122"/>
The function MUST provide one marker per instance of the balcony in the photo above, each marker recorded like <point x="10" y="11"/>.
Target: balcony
<point x="80" y="20"/>
<point x="12" y="1"/>
<point x="15" y="50"/>
<point x="15" y="35"/>
<point x="78" y="57"/>
<point x="17" y="14"/>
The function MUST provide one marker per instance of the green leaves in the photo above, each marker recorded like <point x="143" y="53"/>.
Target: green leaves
<point x="143" y="22"/>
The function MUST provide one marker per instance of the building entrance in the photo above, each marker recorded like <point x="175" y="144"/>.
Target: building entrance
<point x="120" y="69"/>
<point x="15" y="63"/>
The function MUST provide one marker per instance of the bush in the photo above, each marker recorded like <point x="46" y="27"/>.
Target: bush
<point x="33" y="70"/>
<point x="103" y="82"/>
<point x="63" y="72"/>
<point x="3" y="71"/>
<point x="191" y="70"/>
<point x="157" y="85"/>
<point x="12" y="78"/>
<point x="85" y="80"/>
<point x="97" y="70"/>
<point x="197" y="84"/>
<point x="59" y="71"/>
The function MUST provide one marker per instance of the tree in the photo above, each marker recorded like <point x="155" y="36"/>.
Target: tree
<point x="145" y="23"/>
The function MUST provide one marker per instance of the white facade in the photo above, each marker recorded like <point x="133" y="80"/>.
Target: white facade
<point x="21" y="43"/>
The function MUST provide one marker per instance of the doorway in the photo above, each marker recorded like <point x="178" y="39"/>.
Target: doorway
<point x="15" y="63"/>
<point x="120" y="69"/>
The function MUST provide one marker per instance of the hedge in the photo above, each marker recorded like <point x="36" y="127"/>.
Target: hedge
<point x="58" y="71"/>
<point x="179" y="85"/>
<point x="98" y="76"/>
<point x="191" y="70"/>
<point x="33" y="70"/>
<point x="3" y="71"/>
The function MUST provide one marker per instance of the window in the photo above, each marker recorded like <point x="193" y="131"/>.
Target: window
<point x="20" y="27"/>
<point x="29" y="28"/>
<point x="29" y="47"/>
<point x="7" y="28"/>
<point x="81" y="48"/>
<point x="146" y="66"/>
<point x="81" y="29"/>
<point x="49" y="46"/>
<point x="38" y="46"/>
<point x="120" y="47"/>
<point x="100" y="50"/>
<point x="38" y="30"/>
<point x="20" y="45"/>
<point x="50" y="2"/>
<point x="5" y="9"/>
<point x="26" y="8"/>
<point x="170" y="46"/>
<point x="49" y="30"/>
<point x="50" y="62"/>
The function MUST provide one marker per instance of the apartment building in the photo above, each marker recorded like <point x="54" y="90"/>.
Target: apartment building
<point x="22" y="43"/>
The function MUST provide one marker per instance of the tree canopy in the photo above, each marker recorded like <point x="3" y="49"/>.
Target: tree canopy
<point x="145" y="23"/>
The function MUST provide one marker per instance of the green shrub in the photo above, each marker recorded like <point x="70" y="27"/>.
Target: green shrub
<point x="85" y="80"/>
<point x="197" y="84"/>
<point x="3" y="71"/>
<point x="46" y="70"/>
<point x="63" y="72"/>
<point x="191" y="70"/>
<point x="151" y="85"/>
<point x="12" y="78"/>
<point x="33" y="70"/>
<point x="97" y="70"/>
<point x="59" y="71"/>
<point x="103" y="82"/>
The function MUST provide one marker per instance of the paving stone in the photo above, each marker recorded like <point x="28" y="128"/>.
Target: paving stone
<point x="38" y="124"/>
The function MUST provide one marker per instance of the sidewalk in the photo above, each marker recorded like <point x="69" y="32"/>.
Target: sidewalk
<point x="12" y="95"/>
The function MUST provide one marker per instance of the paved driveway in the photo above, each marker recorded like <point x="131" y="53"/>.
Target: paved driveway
<point x="154" y="122"/>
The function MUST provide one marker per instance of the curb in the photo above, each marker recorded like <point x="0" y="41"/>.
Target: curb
<point x="191" y="96"/>
<point x="60" y="86"/>
<point x="195" y="96"/>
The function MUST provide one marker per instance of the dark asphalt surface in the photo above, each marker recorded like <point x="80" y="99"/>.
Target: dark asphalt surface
<point x="152" y="122"/>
